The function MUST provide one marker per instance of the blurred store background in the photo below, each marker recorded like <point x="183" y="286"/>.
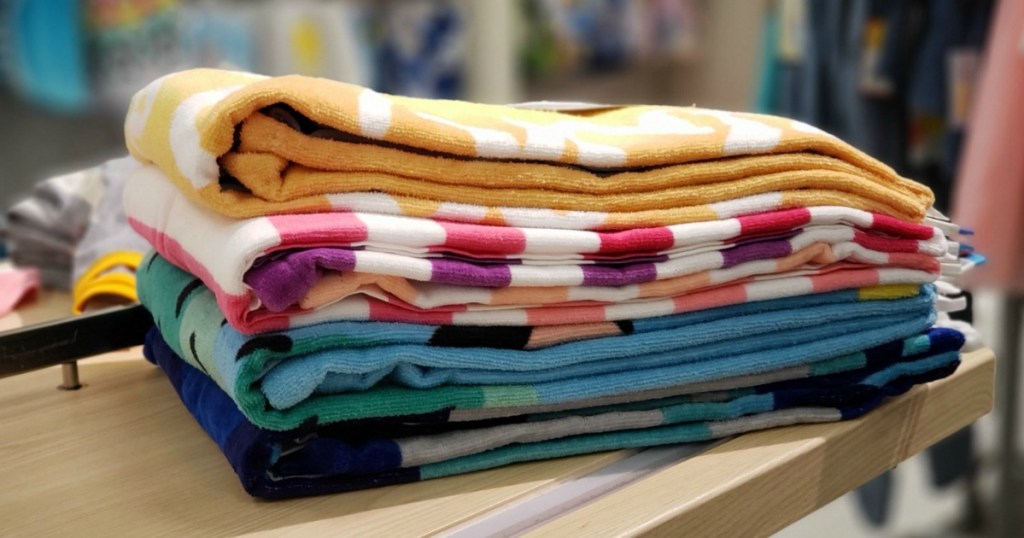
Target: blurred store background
<point x="899" y="79"/>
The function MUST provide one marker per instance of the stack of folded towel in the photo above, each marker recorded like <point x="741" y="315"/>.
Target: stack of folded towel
<point x="353" y="289"/>
<point x="43" y="229"/>
<point x="73" y="231"/>
<point x="108" y="254"/>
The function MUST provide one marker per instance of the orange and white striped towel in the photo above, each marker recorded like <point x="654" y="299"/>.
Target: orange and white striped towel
<point x="247" y="145"/>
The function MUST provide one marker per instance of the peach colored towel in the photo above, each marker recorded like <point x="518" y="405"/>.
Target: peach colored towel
<point x="246" y="145"/>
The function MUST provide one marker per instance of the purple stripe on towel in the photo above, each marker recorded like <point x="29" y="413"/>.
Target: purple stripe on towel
<point x="283" y="279"/>
<point x="280" y="280"/>
<point x="746" y="240"/>
<point x="755" y="251"/>
<point x="603" y="275"/>
<point x="461" y="273"/>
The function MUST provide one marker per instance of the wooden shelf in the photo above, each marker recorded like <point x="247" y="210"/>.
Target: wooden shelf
<point x="756" y="484"/>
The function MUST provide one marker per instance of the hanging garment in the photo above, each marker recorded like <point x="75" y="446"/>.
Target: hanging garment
<point x="990" y="184"/>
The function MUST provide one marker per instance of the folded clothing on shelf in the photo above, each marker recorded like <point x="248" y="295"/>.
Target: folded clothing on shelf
<point x="289" y="270"/>
<point x="43" y="229"/>
<point x="352" y="289"/>
<point x="247" y="145"/>
<point x="318" y="459"/>
<point x="347" y="371"/>
<point x="108" y="253"/>
<point x="74" y="229"/>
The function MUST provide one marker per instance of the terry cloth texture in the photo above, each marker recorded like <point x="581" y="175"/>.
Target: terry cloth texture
<point x="43" y="229"/>
<point x="346" y="456"/>
<point x="795" y="283"/>
<point x="110" y="250"/>
<point x="346" y="371"/>
<point x="586" y="304"/>
<point x="295" y="264"/>
<point x="599" y="283"/>
<point x="246" y="145"/>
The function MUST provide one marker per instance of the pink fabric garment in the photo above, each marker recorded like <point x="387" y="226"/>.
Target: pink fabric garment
<point x="990" y="185"/>
<point x="15" y="285"/>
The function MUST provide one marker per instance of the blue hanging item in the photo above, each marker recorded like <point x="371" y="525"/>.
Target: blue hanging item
<point x="425" y="49"/>
<point x="768" y="78"/>
<point x="45" y="52"/>
<point x="608" y="35"/>
<point x="219" y="36"/>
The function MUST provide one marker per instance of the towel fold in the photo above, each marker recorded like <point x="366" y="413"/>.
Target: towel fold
<point x="284" y="281"/>
<point x="246" y="145"/>
<point x="508" y="308"/>
<point x="43" y="229"/>
<point x="278" y="290"/>
<point x="108" y="253"/>
<point x="283" y="271"/>
<point x="347" y="371"/>
<point x="346" y="456"/>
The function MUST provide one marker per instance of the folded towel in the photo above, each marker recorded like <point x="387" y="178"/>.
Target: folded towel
<point x="43" y="229"/>
<point x="281" y="260"/>
<point x="279" y="289"/>
<point x="509" y="307"/>
<point x="336" y="371"/>
<point x="347" y="456"/>
<point x="247" y="145"/>
<point x="110" y="250"/>
<point x="282" y="282"/>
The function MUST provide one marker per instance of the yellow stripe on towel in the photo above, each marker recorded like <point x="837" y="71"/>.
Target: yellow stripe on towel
<point x="888" y="291"/>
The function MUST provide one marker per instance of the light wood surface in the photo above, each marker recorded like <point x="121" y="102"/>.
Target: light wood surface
<point x="758" y="483"/>
<point x="45" y="305"/>
<point x="123" y="456"/>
